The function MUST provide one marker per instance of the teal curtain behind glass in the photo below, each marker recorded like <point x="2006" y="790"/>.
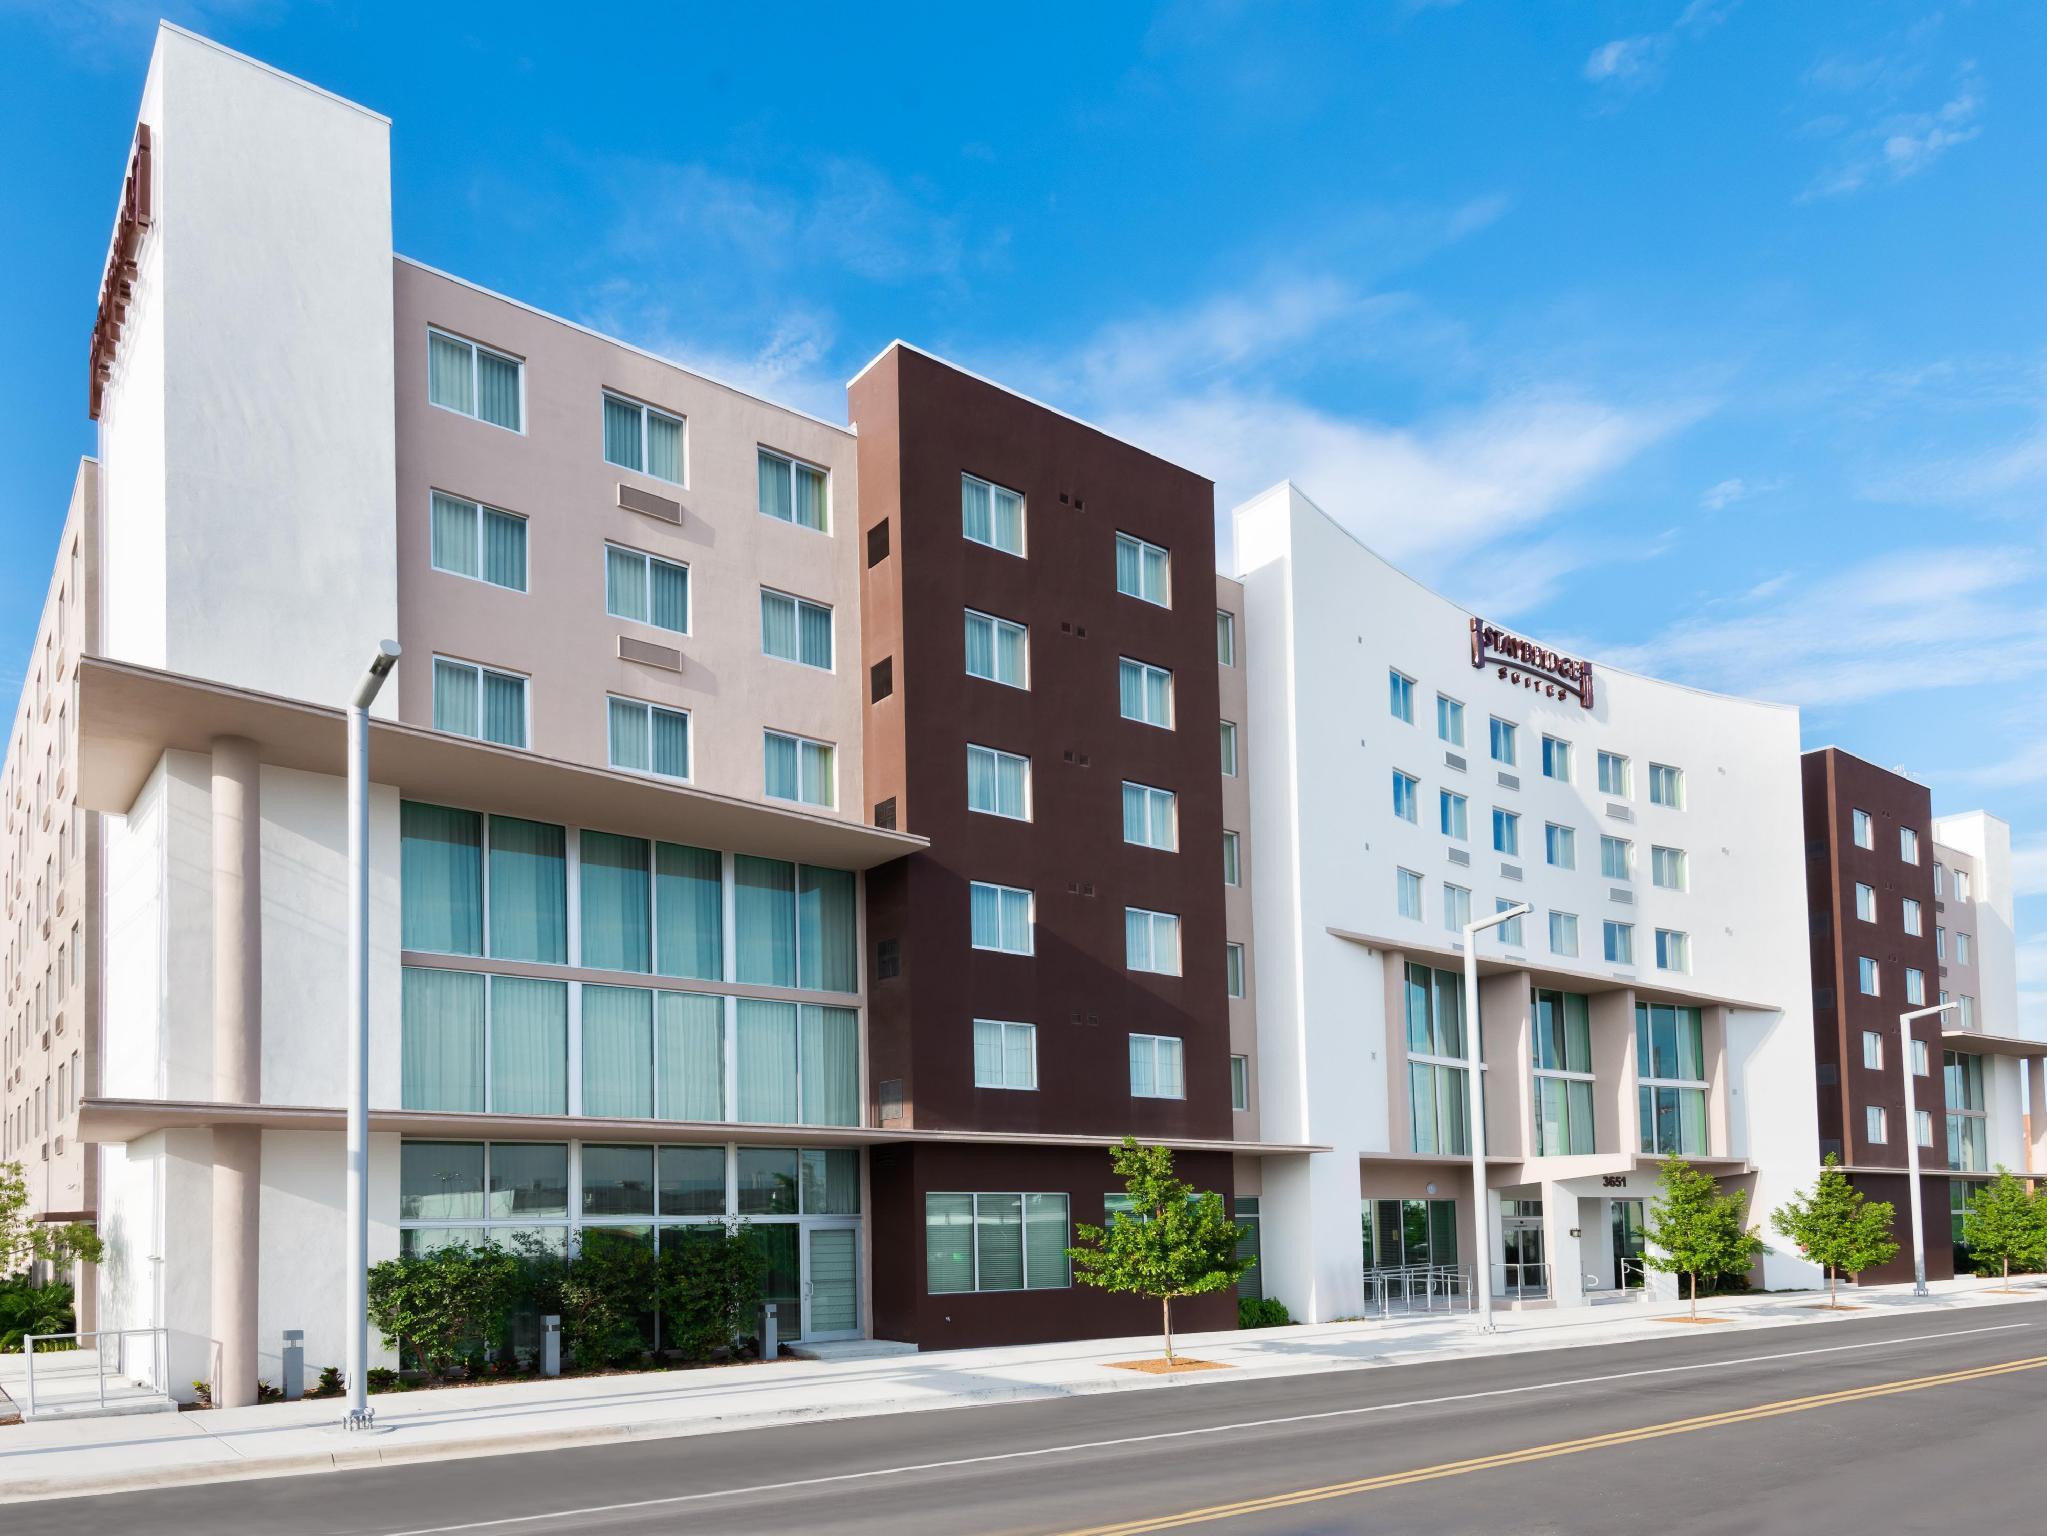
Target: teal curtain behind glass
<point x="980" y="646"/>
<point x="497" y="390"/>
<point x="765" y="1048"/>
<point x="975" y="521"/>
<point x="621" y="433"/>
<point x="614" y="910"/>
<point x="764" y="916"/>
<point x="691" y="1052"/>
<point x="831" y="1181"/>
<point x="827" y="944"/>
<point x="628" y="735"/>
<point x="449" y="380"/>
<point x="618" y="1052"/>
<point x="441" y="878"/>
<point x="831" y="1066"/>
<point x="664" y="447"/>
<point x="781" y="778"/>
<point x="625" y="583"/>
<point x="810" y="497"/>
<point x="670" y="746"/>
<point x="529" y="1046"/>
<point x="504" y="709"/>
<point x="441" y="1047"/>
<point x="776" y="500"/>
<point x="504" y="550"/>
<point x="454" y="535"/>
<point x="1045" y="1240"/>
<point x="778" y="626"/>
<point x="529" y="891"/>
<point x="455" y="688"/>
<point x="689" y="908"/>
<point x="670" y="596"/>
<point x="815" y="644"/>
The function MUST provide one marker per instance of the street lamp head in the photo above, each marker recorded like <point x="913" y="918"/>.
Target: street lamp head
<point x="373" y="679"/>
<point x="1927" y="1013"/>
<point x="1479" y="925"/>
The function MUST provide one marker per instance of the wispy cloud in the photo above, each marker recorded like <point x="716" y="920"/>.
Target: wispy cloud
<point x="1726" y="493"/>
<point x="2032" y="966"/>
<point x="1887" y="144"/>
<point x="1627" y="64"/>
<point x="2029" y="869"/>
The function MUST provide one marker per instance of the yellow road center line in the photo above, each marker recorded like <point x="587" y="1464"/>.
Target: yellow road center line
<point x="1558" y="1448"/>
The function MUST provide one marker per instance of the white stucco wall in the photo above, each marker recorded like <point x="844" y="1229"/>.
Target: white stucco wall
<point x="303" y="1230"/>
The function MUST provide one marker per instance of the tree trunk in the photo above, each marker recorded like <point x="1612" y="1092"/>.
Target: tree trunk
<point x="1166" y="1309"/>
<point x="1695" y="1293"/>
<point x="1833" y="1287"/>
<point x="2007" y="1272"/>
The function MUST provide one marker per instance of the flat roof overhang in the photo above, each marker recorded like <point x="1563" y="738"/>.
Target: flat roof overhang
<point x="121" y="1120"/>
<point x="1975" y="1044"/>
<point x="129" y="716"/>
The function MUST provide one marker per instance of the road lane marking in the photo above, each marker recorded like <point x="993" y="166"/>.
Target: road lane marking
<point x="1155" y="1436"/>
<point x="1635" y="1436"/>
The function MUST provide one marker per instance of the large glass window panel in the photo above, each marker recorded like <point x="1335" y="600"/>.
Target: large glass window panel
<point x="1000" y="918"/>
<point x="996" y="649"/>
<point x="1145" y="693"/>
<point x="441" y="877"/>
<point x="622" y="433"/>
<point x="529" y="1181"/>
<point x="625" y="583"/>
<point x="618" y="1181"/>
<point x="668" y="596"/>
<point x="689" y="912"/>
<point x="451" y="373"/>
<point x="504" y="549"/>
<point x="455" y="545"/>
<point x="497" y="389"/>
<point x="1150" y="817"/>
<point x="441" y="1049"/>
<point x="830" y="1065"/>
<point x="692" y="1181"/>
<point x="1046" y="1228"/>
<point x="998" y="1242"/>
<point x="504" y="708"/>
<point x="529" y="891"/>
<point x="764" y="917"/>
<point x="529" y="1046"/>
<point x="615" y="899"/>
<point x="831" y="1181"/>
<point x="948" y="1243"/>
<point x="689" y="1056"/>
<point x="765" y="1048"/>
<point x="618" y="1052"/>
<point x="440" y="1181"/>
<point x="770" y="1181"/>
<point x="664" y="447"/>
<point x="827" y="940"/>
<point x="998" y="783"/>
<point x="1420" y="1033"/>
<point x="777" y="490"/>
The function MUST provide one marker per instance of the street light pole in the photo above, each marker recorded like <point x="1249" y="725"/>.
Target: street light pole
<point x="1481" y="1224"/>
<point x="1912" y="1137"/>
<point x="358" y="1415"/>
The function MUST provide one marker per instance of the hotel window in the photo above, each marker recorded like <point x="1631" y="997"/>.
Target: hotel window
<point x="1556" y="759"/>
<point x="1400" y="695"/>
<point x="1961" y="885"/>
<point x="794" y="924"/>
<point x="1613" y="775"/>
<point x="646" y="590"/>
<point x="1876" y="1125"/>
<point x="792" y="491"/>
<point x="1240" y="1083"/>
<point x="1233" y="968"/>
<point x="796" y="629"/>
<point x="1406" y="795"/>
<point x="1563" y="933"/>
<point x="1001" y="918"/>
<point x="998" y="783"/>
<point x="1560" y="846"/>
<point x="1616" y="858"/>
<point x="992" y="515"/>
<point x="471" y="700"/>
<point x="1913" y="921"/>
<point x="1666" y="786"/>
<point x="1673" y="950"/>
<point x="1908" y="845"/>
<point x="1143" y="571"/>
<point x="1866" y="976"/>
<point x="1450" y="720"/>
<point x="1922" y="1060"/>
<point x="645" y="738"/>
<point x="1225" y="638"/>
<point x="1968" y="1125"/>
<point x="1454" y="813"/>
<point x="482" y="543"/>
<point x="1925" y="1126"/>
<point x="1670" y="1065"/>
<point x="1229" y="748"/>
<point x="1915" y="986"/>
<point x="1963" y="947"/>
<point x="1438" y="1094"/>
<point x="1456" y="907"/>
<point x="1151" y="942"/>
<point x="1233" y="868"/>
<point x="1008" y="1242"/>
<point x="1005" y="1054"/>
<point x="1407" y="893"/>
<point x="1150" y="817"/>
<point x="1667" y="868"/>
<point x="1872" y="1050"/>
<point x="1939" y="942"/>
<point x="474" y="380"/>
<point x="1864" y="830"/>
<point x="997" y="650"/>
<point x="1156" y="1068"/>
<point x="1865" y="902"/>
<point x="1503" y="741"/>
<point x="1563" y="1073"/>
<point x="1506" y="833"/>
<point x="641" y="438"/>
<point x="1145" y="693"/>
<point x="799" y="769"/>
<point x="1510" y="930"/>
<point x="1966" y="1014"/>
<point x="1939" y="879"/>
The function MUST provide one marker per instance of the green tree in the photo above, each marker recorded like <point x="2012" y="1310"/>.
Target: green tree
<point x="1838" y="1226"/>
<point x="24" y="1240"/>
<point x="442" y="1306"/>
<point x="2004" y="1225"/>
<point x="1695" y="1230"/>
<point x="1172" y="1242"/>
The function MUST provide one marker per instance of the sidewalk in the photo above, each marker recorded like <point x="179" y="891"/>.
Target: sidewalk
<point x="64" y="1459"/>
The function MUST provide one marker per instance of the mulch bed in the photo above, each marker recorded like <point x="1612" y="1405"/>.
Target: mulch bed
<point x="1161" y="1368"/>
<point x="1694" y="1319"/>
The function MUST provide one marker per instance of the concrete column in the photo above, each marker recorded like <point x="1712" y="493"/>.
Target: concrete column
<point x="237" y="1061"/>
<point x="1561" y="1221"/>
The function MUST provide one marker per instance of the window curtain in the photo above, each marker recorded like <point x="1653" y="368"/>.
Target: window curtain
<point x="1137" y="814"/>
<point x="764" y="915"/>
<point x="776" y="500"/>
<point x="670" y="595"/>
<point x="831" y="1181"/>
<point x="618" y="1052"/>
<point x="1008" y="515"/>
<point x="815" y="640"/>
<point x="1155" y="568"/>
<point x="497" y="389"/>
<point x="1158" y="696"/>
<point x="1011" y="776"/>
<point x="621" y="433"/>
<point x="529" y="1046"/>
<point x="449" y="379"/>
<point x="1130" y="687"/>
<point x="1691" y="1055"/>
<point x="454" y="535"/>
<point x="691" y="1053"/>
<point x="988" y="1059"/>
<point x="441" y="1052"/>
<point x="1016" y="921"/>
<point x="629" y="747"/>
<point x="441" y="878"/>
<point x="664" y="447"/>
<point x="455" y="691"/>
<point x="819" y="783"/>
<point x="1009" y="654"/>
<point x="1691" y="1108"/>
<point x="998" y="1242"/>
<point x="778" y="625"/>
<point x="1172" y="1081"/>
<point x="783" y="779"/>
<point x="504" y="549"/>
<point x="827" y="942"/>
<point x="765" y="1047"/>
<point x="625" y="583"/>
<point x="1577" y="1032"/>
<point x="1045" y="1240"/>
<point x="1143" y="1074"/>
<point x="810" y="497"/>
<point x="529" y="891"/>
<point x="831" y="1066"/>
<point x="689" y="912"/>
<point x="1129" y="567"/>
<point x="984" y="906"/>
<point x="975" y="520"/>
<point x="948" y="1240"/>
<point x="504" y="709"/>
<point x="981" y="795"/>
<point x="980" y="646"/>
<point x="614" y="902"/>
<point x="670" y="746"/>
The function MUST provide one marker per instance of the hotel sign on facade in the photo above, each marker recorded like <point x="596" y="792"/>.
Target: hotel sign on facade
<point x="1525" y="664"/>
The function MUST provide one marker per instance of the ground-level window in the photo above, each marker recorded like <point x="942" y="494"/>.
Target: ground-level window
<point x="996" y="1242"/>
<point x="1399" y="1233"/>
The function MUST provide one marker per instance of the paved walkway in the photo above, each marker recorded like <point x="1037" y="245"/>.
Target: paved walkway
<point x="105" y="1455"/>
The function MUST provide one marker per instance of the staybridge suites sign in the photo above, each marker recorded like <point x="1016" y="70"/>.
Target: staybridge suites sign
<point x="1528" y="665"/>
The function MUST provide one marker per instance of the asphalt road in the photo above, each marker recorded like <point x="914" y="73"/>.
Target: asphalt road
<point x="1926" y="1423"/>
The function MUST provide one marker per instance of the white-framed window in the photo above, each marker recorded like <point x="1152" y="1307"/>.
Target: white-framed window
<point x="1503" y="744"/>
<point x="998" y="650"/>
<point x="1151" y="817"/>
<point x="1509" y="931"/>
<point x="1939" y="880"/>
<point x="1876" y="1124"/>
<point x="1143" y="571"/>
<point x="1560" y="845"/>
<point x="1939" y="942"/>
<point x="1666" y="786"/>
<point x="1922" y="1059"/>
<point x="1156" y="1068"/>
<point x="792" y="491"/>
<point x="1865" y="902"/>
<point x="1145" y="693"/>
<point x="1614" y="778"/>
<point x="796" y="629"/>
<point x="1407" y="893"/>
<point x="1872" y="1050"/>
<point x="1454" y="813"/>
<point x="991" y="514"/>
<point x="1400" y="695"/>
<point x="1908" y="845"/>
<point x="1915" y="987"/>
<point x="646" y="589"/>
<point x="996" y="1242"/>
<point x="800" y="769"/>
<point x="1233" y="867"/>
<point x="1616" y="858"/>
<point x="1449" y="720"/>
<point x="1406" y="796"/>
<point x="482" y="543"/>
<point x="1556" y="759"/>
<point x="1240" y="1083"/>
<point x="998" y="783"/>
<point x="1233" y="968"/>
<point x="1563" y="933"/>
<point x="1864" y="829"/>
<point x="1914" y="922"/>
<point x="1225" y="638"/>
<point x="1005" y="1054"/>
<point x="1668" y="868"/>
<point x="1506" y="832"/>
<point x="640" y="438"/>
<point x="1151" y="942"/>
<point x="480" y="702"/>
<point x="1673" y="950"/>
<point x="1961" y="885"/>
<point x="1966" y="1014"/>
<point x="1229" y="748"/>
<point x="473" y="380"/>
<point x="1456" y="907"/>
<point x="1002" y="917"/>
<point x="646" y="738"/>
<point x="1867" y="979"/>
<point x="1925" y="1126"/>
<point x="1619" y="941"/>
<point x="1962" y="950"/>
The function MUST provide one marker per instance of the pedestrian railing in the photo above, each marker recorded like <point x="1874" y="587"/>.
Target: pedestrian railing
<point x="1418" y="1288"/>
<point x="1521" y="1281"/>
<point x="159" y="1356"/>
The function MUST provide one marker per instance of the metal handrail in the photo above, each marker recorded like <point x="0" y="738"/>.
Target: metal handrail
<point x="1420" y="1287"/>
<point x="1522" y="1280"/>
<point x="158" y="1356"/>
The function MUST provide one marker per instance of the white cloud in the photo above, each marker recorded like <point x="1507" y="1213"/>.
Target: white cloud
<point x="1635" y="63"/>
<point x="1894" y="145"/>
<point x="1727" y="492"/>
<point x="1625" y="58"/>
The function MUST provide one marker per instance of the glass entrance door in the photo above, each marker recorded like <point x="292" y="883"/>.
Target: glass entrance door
<point x="831" y="1282"/>
<point x="1521" y="1248"/>
<point x="1627" y="1244"/>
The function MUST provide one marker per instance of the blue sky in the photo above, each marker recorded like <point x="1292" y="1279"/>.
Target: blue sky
<point x="1710" y="338"/>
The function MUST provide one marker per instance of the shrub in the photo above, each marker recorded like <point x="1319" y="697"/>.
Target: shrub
<point x="709" y="1287"/>
<point x="202" y="1393"/>
<point x="330" y="1382"/>
<point x="26" y="1309"/>
<point x="382" y="1378"/>
<point x="1261" y="1312"/>
<point x="437" y="1307"/>
<point x="608" y="1293"/>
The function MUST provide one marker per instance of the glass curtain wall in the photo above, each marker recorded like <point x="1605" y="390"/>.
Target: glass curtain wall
<point x="1670" y="1062"/>
<point x="1563" y="1073"/>
<point x="1438" y="1093"/>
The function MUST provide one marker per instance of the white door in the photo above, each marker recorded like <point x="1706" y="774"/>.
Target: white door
<point x="831" y="1282"/>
